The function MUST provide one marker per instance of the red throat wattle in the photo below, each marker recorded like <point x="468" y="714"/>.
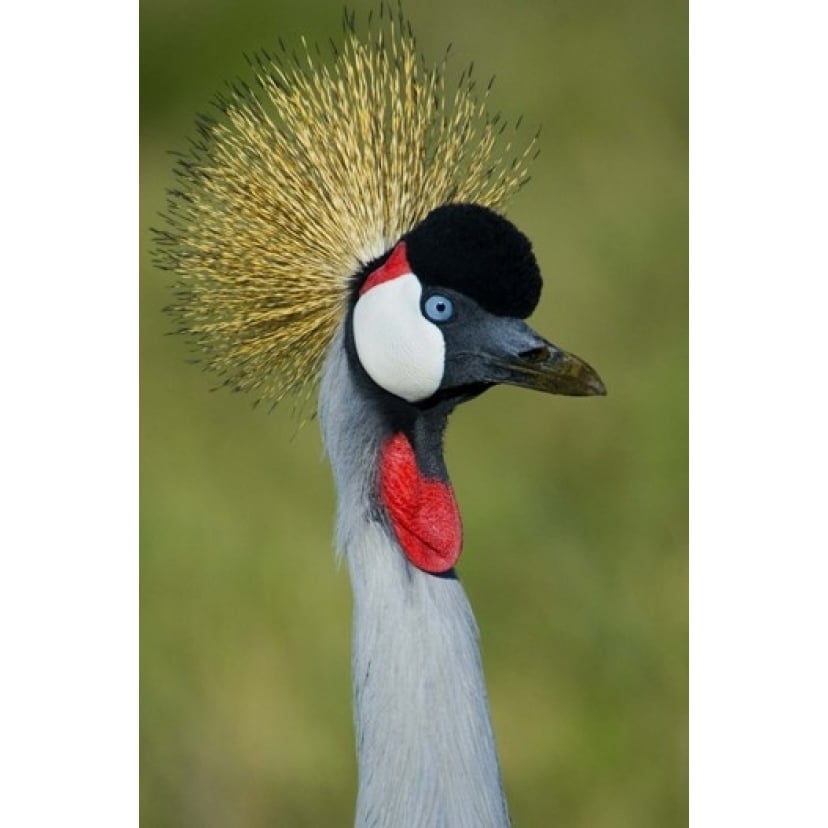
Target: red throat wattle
<point x="423" y="512"/>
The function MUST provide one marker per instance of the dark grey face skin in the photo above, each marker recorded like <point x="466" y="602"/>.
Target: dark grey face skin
<point x="483" y="349"/>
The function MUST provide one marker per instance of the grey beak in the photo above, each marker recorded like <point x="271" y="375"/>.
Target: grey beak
<point x="493" y="350"/>
<point x="550" y="369"/>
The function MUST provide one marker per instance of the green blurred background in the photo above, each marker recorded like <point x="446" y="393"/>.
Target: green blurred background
<point x="575" y="510"/>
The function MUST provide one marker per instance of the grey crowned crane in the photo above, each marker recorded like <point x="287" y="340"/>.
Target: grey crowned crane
<point x="339" y="225"/>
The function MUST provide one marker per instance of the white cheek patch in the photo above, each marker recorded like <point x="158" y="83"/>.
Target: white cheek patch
<point x="398" y="347"/>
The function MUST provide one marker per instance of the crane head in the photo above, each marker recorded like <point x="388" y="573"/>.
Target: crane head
<point x="441" y="316"/>
<point x="359" y="194"/>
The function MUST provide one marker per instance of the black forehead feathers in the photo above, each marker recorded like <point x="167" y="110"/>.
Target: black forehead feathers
<point x="477" y="252"/>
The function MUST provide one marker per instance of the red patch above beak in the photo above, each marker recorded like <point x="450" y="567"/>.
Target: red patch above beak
<point x="395" y="265"/>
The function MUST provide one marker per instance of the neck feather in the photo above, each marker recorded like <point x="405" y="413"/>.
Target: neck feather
<point x="425" y="748"/>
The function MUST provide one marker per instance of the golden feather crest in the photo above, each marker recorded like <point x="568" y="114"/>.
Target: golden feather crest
<point x="306" y="178"/>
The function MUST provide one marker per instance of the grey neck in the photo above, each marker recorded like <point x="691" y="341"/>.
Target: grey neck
<point x="425" y="749"/>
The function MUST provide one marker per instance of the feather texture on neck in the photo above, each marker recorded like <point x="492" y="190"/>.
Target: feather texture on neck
<point x="425" y="747"/>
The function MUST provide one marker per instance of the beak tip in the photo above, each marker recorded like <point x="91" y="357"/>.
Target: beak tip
<point x="590" y="383"/>
<point x="597" y="387"/>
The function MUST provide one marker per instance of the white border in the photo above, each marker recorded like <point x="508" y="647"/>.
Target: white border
<point x="68" y="534"/>
<point x="759" y="142"/>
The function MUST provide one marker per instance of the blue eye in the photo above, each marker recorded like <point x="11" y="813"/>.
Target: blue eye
<point x="438" y="308"/>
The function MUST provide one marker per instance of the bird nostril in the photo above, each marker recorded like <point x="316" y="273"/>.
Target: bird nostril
<point x="538" y="354"/>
